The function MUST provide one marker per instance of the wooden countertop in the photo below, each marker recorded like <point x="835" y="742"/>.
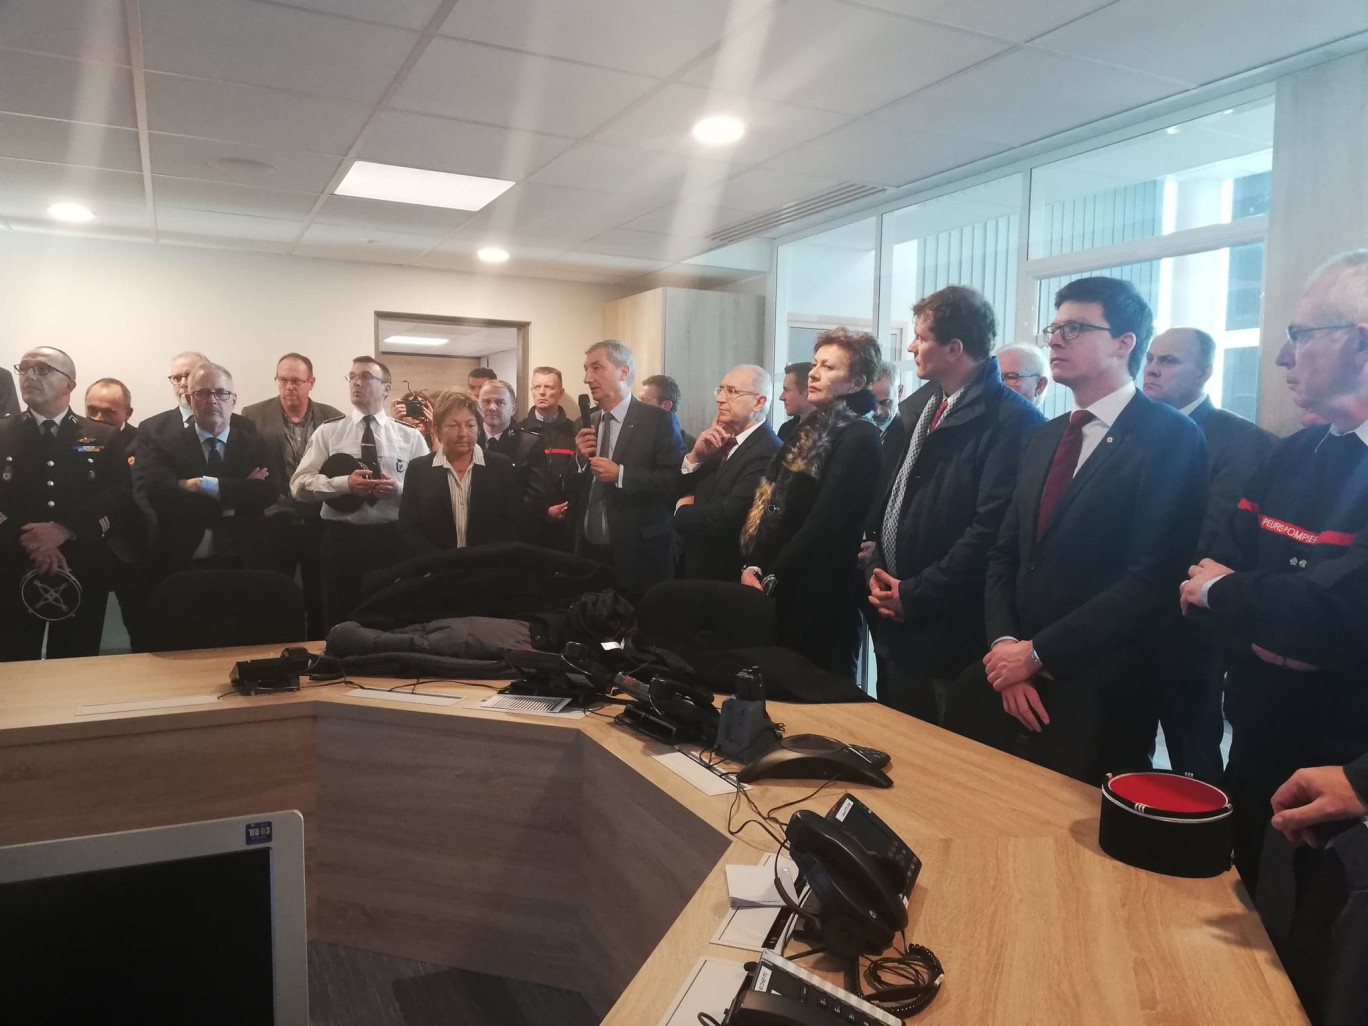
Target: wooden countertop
<point x="1031" y="920"/>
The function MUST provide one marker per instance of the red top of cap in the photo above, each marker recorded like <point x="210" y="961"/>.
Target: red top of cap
<point x="1168" y="792"/>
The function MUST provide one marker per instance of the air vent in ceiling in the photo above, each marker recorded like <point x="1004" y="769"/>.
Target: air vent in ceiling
<point x="764" y="224"/>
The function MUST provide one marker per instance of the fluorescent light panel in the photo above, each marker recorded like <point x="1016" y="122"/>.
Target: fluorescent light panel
<point x="425" y="188"/>
<point x="416" y="340"/>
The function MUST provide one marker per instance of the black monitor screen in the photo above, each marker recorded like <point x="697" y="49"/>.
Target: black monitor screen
<point x="179" y="942"/>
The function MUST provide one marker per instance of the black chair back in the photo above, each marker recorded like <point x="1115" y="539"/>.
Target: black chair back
<point x="223" y="608"/>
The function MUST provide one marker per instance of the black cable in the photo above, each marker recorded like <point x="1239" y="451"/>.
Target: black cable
<point x="798" y="801"/>
<point x="705" y="1019"/>
<point x="731" y="811"/>
<point x="903" y="984"/>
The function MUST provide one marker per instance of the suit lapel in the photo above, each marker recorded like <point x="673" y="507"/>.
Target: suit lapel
<point x="443" y="493"/>
<point x="624" y="430"/>
<point x="1113" y="441"/>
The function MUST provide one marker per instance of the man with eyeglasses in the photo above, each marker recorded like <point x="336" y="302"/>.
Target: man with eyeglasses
<point x="1177" y="367"/>
<point x="294" y="530"/>
<point x="178" y="376"/>
<point x="209" y="483"/>
<point x="1106" y="512"/>
<point x="63" y="481"/>
<point x="949" y="465"/>
<point x="1287" y="583"/>
<point x="1023" y="370"/>
<point x="720" y="474"/>
<point x="355" y="466"/>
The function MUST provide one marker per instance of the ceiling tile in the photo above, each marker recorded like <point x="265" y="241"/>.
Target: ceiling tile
<point x="645" y="245"/>
<point x="277" y="47"/>
<point x="239" y="113"/>
<point x="68" y="142"/>
<point x="189" y="194"/>
<point x="463" y="147"/>
<point x="551" y="216"/>
<point x="665" y="120"/>
<point x="218" y="242"/>
<point x="870" y="151"/>
<point x="228" y="226"/>
<point x="356" y="212"/>
<point x="761" y="188"/>
<point x="691" y="220"/>
<point x="1173" y="38"/>
<point x="24" y="206"/>
<point x="470" y="82"/>
<point x="835" y="56"/>
<point x="56" y="87"/>
<point x="1021" y="96"/>
<point x="409" y="14"/>
<point x="342" y="243"/>
<point x="653" y="38"/>
<point x="1005" y="19"/>
<point x="213" y="160"/>
<point x="661" y="176"/>
<point x="89" y="186"/>
<point x="90" y="29"/>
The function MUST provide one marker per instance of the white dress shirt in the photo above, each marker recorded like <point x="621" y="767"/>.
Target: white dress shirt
<point x="396" y="445"/>
<point x="1186" y="411"/>
<point x="689" y="468"/>
<point x="1104" y="411"/>
<point x="458" y="487"/>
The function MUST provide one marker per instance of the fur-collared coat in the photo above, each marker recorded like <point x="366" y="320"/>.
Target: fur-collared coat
<point x="805" y="526"/>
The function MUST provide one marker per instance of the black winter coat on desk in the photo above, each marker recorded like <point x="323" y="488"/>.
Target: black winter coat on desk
<point x="805" y="526"/>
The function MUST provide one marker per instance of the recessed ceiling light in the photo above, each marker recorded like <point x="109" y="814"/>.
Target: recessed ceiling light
<point x="717" y="131"/>
<point x="73" y="212"/>
<point x="425" y="188"/>
<point x="1228" y="110"/>
<point x="492" y="254"/>
<point x="416" y="340"/>
<point x="1171" y="130"/>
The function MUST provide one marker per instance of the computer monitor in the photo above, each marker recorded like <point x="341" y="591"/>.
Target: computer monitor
<point x="199" y="923"/>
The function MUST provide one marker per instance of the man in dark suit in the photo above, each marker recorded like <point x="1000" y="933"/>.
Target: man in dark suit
<point x="1177" y="368"/>
<point x="795" y="400"/>
<point x="553" y="475"/>
<point x="109" y="401"/>
<point x="628" y="466"/>
<point x="63" y="481"/>
<point x="209" y="483"/>
<point x="178" y="374"/>
<point x="1106" y="512"/>
<point x="720" y="473"/>
<point x="294" y="529"/>
<point x="949" y="466"/>
<point x="460" y="495"/>
<point x="663" y="391"/>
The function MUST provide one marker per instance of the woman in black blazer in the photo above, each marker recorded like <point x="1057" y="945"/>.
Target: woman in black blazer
<point x="460" y="477"/>
<point x="801" y="540"/>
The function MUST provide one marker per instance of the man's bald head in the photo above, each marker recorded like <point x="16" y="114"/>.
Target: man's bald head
<point x="1024" y="371"/>
<point x="47" y="377"/>
<point x="1178" y="365"/>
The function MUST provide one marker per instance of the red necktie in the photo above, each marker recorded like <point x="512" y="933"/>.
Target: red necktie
<point x="1062" y="467"/>
<point x="940" y="412"/>
<point x="728" y="447"/>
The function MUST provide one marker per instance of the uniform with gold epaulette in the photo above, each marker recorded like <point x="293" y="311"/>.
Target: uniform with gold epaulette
<point x="79" y="479"/>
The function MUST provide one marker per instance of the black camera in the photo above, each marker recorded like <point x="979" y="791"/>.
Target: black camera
<point x="413" y="403"/>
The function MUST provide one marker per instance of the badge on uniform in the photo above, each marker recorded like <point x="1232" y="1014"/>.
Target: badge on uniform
<point x="399" y="466"/>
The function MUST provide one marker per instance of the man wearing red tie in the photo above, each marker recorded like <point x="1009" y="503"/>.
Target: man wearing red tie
<point x="1108" y="505"/>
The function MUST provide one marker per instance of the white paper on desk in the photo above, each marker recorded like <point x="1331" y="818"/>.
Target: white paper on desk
<point x="710" y="987"/>
<point x="747" y="928"/>
<point x="700" y="776"/>
<point x="754" y="886"/>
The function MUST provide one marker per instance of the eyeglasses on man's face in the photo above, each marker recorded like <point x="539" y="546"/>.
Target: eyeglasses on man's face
<point x="364" y="378"/>
<point x="42" y="370"/>
<point x="1299" y="335"/>
<point x="1069" y="330"/>
<point x="218" y="395"/>
<point x="727" y="392"/>
<point x="1012" y="377"/>
<point x="292" y="382"/>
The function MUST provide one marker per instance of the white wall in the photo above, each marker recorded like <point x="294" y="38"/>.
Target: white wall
<point x="121" y="309"/>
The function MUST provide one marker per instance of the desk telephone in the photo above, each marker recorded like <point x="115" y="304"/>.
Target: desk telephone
<point x="859" y="874"/>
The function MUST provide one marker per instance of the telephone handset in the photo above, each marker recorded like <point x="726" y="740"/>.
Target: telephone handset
<point x="860" y="874"/>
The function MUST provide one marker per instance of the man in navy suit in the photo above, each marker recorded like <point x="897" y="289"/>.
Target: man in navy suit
<point x="1105" y="515"/>
<point x="628" y="468"/>
<point x="209" y="482"/>
<point x="1177" y="368"/>
<point x="721" y="472"/>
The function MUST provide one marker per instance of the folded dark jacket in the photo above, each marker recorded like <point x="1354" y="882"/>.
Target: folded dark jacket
<point x="468" y="646"/>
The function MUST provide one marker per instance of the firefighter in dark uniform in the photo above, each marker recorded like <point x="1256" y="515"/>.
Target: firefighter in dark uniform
<point x="1295" y="694"/>
<point x="63" y="479"/>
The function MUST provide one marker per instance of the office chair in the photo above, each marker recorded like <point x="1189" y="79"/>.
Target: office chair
<point x="223" y="608"/>
<point x="1314" y="905"/>
<point x="707" y="615"/>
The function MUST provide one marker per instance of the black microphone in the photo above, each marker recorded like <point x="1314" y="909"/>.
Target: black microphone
<point x="585" y="411"/>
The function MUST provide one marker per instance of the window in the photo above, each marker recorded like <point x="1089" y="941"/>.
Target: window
<point x="825" y="280"/>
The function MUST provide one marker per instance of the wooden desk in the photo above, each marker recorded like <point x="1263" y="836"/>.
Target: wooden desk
<point x="557" y="851"/>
